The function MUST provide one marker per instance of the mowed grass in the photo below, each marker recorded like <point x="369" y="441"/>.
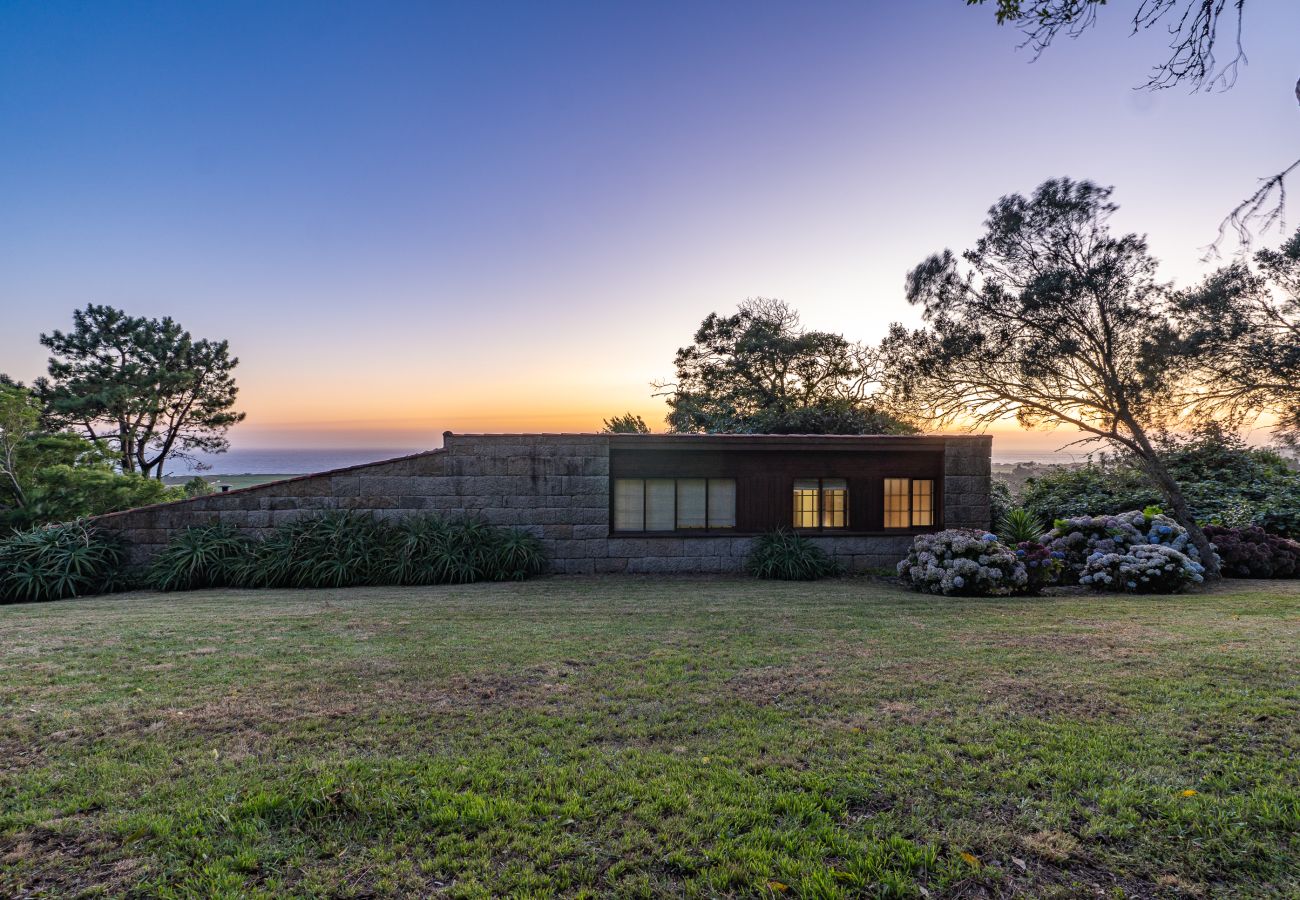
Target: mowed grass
<point x="623" y="737"/>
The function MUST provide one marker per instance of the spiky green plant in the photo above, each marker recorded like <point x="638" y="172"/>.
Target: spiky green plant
<point x="342" y="549"/>
<point x="419" y="544"/>
<point x="60" y="561"/>
<point x="203" y="556"/>
<point x="270" y="561"/>
<point x="787" y="556"/>
<point x="1019" y="525"/>
<point x="515" y="554"/>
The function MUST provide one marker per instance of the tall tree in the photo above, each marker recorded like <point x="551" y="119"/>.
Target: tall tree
<point x="760" y="371"/>
<point x="1246" y="324"/>
<point x="144" y="386"/>
<point x="1055" y="322"/>
<point x="1196" y="59"/>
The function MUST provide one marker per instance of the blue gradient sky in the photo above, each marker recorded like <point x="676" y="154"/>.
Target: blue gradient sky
<point x="408" y="217"/>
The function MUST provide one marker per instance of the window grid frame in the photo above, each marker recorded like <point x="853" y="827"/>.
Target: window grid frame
<point x="821" y="509"/>
<point x="909" y="495"/>
<point x="645" y="480"/>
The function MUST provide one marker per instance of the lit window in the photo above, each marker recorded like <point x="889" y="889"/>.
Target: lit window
<point x="909" y="502"/>
<point x="835" y="502"/>
<point x="807" y="503"/>
<point x="922" y="502"/>
<point x="674" y="504"/>
<point x="821" y="503"/>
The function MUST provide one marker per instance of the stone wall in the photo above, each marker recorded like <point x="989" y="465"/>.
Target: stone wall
<point x="556" y="486"/>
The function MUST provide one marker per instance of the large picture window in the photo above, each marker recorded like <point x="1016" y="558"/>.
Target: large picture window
<point x="909" y="502"/>
<point x="821" y="503"/>
<point x="674" y="504"/>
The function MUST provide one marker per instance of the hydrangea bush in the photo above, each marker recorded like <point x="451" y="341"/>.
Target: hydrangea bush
<point x="1252" y="553"/>
<point x="963" y="563"/>
<point x="1079" y="537"/>
<point x="1141" y="569"/>
<point x="1142" y="552"/>
<point x="1043" y="564"/>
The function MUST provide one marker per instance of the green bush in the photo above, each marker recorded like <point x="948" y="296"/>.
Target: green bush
<point x="787" y="556"/>
<point x="333" y="550"/>
<point x="345" y="549"/>
<point x="1225" y="482"/>
<point x="204" y="556"/>
<point x="1000" y="502"/>
<point x="60" y="561"/>
<point x="515" y="555"/>
<point x="432" y="550"/>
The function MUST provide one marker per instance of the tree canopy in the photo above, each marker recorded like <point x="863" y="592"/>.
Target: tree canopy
<point x="58" y="476"/>
<point x="626" y="424"/>
<point x="1246" y="323"/>
<point x="759" y="371"/>
<point x="1196" y="58"/>
<point x="1054" y="321"/>
<point x="144" y="386"/>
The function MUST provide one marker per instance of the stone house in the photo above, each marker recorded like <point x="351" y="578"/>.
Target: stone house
<point x="634" y="502"/>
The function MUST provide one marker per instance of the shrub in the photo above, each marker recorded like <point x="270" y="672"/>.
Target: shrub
<point x="60" y="561"/>
<point x="1225" y="483"/>
<point x="1000" y="502"/>
<point x="1019" y="525"/>
<point x="1077" y="539"/>
<point x="204" y="556"/>
<point x="787" y="556"/>
<point x="432" y="550"/>
<point x="1141" y="569"/>
<point x="1042" y="565"/>
<point x="1252" y="553"/>
<point x="337" y="549"/>
<point x="960" y="562"/>
<point x="515" y="555"/>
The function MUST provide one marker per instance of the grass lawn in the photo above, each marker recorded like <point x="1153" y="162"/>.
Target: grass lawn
<point x="651" y="737"/>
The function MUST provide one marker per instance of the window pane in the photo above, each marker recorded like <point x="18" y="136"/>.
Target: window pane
<point x="722" y="503"/>
<point x="690" y="502"/>
<point x="629" y="504"/>
<point x="897" y="512"/>
<point x="806" y="503"/>
<point x="660" y="494"/>
<point x="835" y="502"/>
<point x="922" y="502"/>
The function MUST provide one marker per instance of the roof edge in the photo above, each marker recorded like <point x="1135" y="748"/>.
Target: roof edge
<point x="327" y="473"/>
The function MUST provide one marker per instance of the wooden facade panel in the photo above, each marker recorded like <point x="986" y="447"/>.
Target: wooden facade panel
<point x="765" y="478"/>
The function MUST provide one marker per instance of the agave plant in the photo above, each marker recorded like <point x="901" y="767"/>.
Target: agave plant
<point x="787" y="556"/>
<point x="420" y="544"/>
<point x="515" y="555"/>
<point x="341" y="549"/>
<point x="1019" y="525"/>
<point x="59" y="561"/>
<point x="270" y="562"/>
<point x="203" y="556"/>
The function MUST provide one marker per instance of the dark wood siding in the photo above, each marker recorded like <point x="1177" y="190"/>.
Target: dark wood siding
<point x="765" y="478"/>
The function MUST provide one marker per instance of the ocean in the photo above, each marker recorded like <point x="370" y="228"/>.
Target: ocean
<point x="304" y="460"/>
<point x="289" y="461"/>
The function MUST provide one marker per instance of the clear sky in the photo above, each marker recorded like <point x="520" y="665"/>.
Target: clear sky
<point x="411" y="217"/>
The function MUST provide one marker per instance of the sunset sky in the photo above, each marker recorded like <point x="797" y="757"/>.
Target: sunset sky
<point x="412" y="217"/>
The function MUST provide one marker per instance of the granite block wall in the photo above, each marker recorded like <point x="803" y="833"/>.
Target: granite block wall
<point x="556" y="486"/>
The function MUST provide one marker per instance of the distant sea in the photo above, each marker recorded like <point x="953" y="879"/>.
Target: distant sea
<point x="301" y="461"/>
<point x="290" y="461"/>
